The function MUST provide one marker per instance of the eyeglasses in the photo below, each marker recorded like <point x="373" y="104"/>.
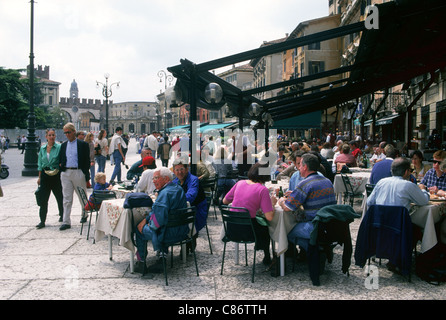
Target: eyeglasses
<point x="436" y="161"/>
<point x="67" y="132"/>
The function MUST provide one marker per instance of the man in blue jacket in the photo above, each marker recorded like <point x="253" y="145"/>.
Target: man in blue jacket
<point x="170" y="197"/>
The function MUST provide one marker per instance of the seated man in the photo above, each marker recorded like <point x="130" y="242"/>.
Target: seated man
<point x="346" y="157"/>
<point x="145" y="183"/>
<point x="170" y="197"/>
<point x="435" y="179"/>
<point x="136" y="169"/>
<point x="382" y="169"/>
<point x="311" y="194"/>
<point x="398" y="190"/>
<point x="194" y="192"/>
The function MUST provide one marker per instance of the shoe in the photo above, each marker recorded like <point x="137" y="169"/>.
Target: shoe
<point x="139" y="267"/>
<point x="157" y="267"/>
<point x="84" y="219"/>
<point x="40" y="225"/>
<point x="119" y="181"/>
<point x="88" y="185"/>
<point x="64" y="227"/>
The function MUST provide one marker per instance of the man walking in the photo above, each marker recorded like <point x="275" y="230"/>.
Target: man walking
<point x="117" y="145"/>
<point x="75" y="171"/>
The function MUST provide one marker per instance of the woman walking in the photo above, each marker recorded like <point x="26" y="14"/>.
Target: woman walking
<point x="89" y="139"/>
<point x="49" y="176"/>
<point x="102" y="146"/>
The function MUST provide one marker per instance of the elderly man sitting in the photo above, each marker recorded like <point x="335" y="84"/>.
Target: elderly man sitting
<point x="311" y="194"/>
<point x="398" y="190"/>
<point x="137" y="169"/>
<point x="170" y="197"/>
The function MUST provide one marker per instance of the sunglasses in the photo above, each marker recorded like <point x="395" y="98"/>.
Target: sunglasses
<point x="67" y="132"/>
<point x="436" y="161"/>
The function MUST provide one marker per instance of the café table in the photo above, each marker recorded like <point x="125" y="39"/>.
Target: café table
<point x="120" y="191"/>
<point x="426" y="217"/>
<point x="282" y="223"/>
<point x="116" y="221"/>
<point x="358" y="179"/>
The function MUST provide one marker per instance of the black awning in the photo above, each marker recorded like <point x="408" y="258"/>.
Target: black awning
<point x="410" y="41"/>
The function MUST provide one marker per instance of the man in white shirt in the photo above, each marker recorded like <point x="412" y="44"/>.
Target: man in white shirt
<point x="152" y="142"/>
<point x="116" y="149"/>
<point x="398" y="190"/>
<point x="145" y="183"/>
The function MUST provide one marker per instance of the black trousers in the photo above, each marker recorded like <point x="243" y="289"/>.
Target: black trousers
<point x="48" y="184"/>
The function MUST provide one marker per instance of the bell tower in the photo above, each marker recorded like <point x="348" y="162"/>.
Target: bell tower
<point x="74" y="91"/>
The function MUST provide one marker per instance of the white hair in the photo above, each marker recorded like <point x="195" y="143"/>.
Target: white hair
<point x="165" y="172"/>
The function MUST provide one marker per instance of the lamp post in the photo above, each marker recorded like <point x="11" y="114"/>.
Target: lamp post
<point x="31" y="147"/>
<point x="167" y="78"/>
<point x="107" y="93"/>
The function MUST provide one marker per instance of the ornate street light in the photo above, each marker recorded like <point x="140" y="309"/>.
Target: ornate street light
<point x="107" y="93"/>
<point x="31" y="147"/>
<point x="254" y="109"/>
<point x="168" y="78"/>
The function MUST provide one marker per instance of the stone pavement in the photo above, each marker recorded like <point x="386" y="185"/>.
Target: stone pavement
<point x="49" y="264"/>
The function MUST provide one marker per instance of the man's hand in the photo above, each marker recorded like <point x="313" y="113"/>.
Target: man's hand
<point x="141" y="225"/>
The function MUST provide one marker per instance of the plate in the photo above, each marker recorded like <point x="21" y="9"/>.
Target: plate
<point x="438" y="199"/>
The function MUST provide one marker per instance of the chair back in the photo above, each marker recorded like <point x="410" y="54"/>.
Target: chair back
<point x="209" y="183"/>
<point x="84" y="199"/>
<point x="237" y="216"/>
<point x="181" y="217"/>
<point x="386" y="232"/>
<point x="369" y="188"/>
<point x="101" y="195"/>
<point x="347" y="184"/>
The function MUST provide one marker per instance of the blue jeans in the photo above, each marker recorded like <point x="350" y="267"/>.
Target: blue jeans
<point x="101" y="163"/>
<point x="300" y="234"/>
<point x="117" y="158"/>
<point x="142" y="239"/>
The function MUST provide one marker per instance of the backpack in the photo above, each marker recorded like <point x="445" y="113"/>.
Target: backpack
<point x="97" y="150"/>
<point x="431" y="266"/>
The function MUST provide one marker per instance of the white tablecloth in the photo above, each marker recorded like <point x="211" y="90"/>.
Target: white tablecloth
<point x="358" y="181"/>
<point x="426" y="217"/>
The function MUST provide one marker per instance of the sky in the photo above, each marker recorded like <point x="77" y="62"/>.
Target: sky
<point x="133" y="40"/>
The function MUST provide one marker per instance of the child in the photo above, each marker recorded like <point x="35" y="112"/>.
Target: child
<point x="100" y="184"/>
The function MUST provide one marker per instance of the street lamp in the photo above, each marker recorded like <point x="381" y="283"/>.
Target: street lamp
<point x="167" y="78"/>
<point x="31" y="147"/>
<point x="107" y="93"/>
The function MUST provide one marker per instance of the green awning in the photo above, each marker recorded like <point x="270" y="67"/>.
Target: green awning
<point x="305" y="121"/>
<point x="217" y="126"/>
<point x="381" y="121"/>
<point x="179" y="128"/>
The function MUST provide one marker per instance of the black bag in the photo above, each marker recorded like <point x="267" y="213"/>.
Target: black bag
<point x="38" y="194"/>
<point x="137" y="199"/>
<point x="431" y="266"/>
<point x="345" y="169"/>
<point x="97" y="150"/>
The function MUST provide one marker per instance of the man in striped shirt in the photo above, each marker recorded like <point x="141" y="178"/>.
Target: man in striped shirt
<point x="310" y="195"/>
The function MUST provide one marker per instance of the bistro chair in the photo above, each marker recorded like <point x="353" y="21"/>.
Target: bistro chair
<point x="349" y="193"/>
<point x="87" y="207"/>
<point x="233" y="217"/>
<point x="386" y="232"/>
<point x="98" y="197"/>
<point x="369" y="189"/>
<point x="211" y="184"/>
<point x="208" y="202"/>
<point x="179" y="218"/>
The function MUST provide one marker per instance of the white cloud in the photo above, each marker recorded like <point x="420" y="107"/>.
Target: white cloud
<point x="132" y="40"/>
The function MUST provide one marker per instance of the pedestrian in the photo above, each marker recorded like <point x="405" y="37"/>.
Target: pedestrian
<point x="49" y="176"/>
<point x="89" y="139"/>
<point x="75" y="167"/>
<point x="101" y="150"/>
<point x="164" y="151"/>
<point x="22" y="143"/>
<point x="116" y="149"/>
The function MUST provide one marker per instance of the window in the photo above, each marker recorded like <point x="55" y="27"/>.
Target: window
<point x="316" y="67"/>
<point x="314" y="46"/>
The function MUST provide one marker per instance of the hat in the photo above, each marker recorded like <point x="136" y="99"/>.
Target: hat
<point x="147" y="161"/>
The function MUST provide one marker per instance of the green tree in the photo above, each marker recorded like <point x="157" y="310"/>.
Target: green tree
<point x="13" y="99"/>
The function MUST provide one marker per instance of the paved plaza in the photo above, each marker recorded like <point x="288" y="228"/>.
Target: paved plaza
<point x="49" y="264"/>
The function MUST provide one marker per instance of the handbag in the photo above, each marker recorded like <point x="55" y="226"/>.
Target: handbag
<point x="51" y="172"/>
<point x="137" y="199"/>
<point x="38" y="193"/>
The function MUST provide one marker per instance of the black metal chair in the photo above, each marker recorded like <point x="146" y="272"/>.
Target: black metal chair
<point x="209" y="203"/>
<point x="238" y="216"/>
<point x="178" y="218"/>
<point x="98" y="197"/>
<point x="349" y="193"/>
<point x="211" y="184"/>
<point x="369" y="188"/>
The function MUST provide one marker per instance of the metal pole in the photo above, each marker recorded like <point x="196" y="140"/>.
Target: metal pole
<point x="31" y="147"/>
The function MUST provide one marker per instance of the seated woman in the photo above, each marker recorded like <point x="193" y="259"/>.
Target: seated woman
<point x="253" y="195"/>
<point x="420" y="169"/>
<point x="346" y="157"/>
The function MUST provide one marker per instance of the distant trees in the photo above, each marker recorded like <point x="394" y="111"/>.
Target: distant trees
<point x="14" y="103"/>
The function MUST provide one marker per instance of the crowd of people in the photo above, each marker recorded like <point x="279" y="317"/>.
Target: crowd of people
<point x="242" y="168"/>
